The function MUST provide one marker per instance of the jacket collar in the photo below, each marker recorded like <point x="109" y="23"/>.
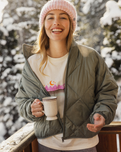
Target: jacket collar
<point x="73" y="58"/>
<point x="27" y="49"/>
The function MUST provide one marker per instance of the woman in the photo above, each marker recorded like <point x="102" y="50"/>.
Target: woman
<point x="76" y="74"/>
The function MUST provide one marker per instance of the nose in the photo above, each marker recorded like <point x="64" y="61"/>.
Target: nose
<point x="56" y="22"/>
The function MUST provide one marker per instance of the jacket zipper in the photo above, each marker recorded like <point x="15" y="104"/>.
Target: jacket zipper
<point x="65" y="97"/>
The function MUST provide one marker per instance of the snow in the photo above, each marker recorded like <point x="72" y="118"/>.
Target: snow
<point x="101" y="7"/>
<point x="119" y="3"/>
<point x="33" y="38"/>
<point x="9" y="24"/>
<point x="118" y="42"/>
<point x="9" y="123"/>
<point x="6" y="117"/>
<point x="116" y="56"/>
<point x="13" y="52"/>
<point x="28" y="10"/>
<point x="118" y="111"/>
<point x="4" y="84"/>
<point x="16" y="126"/>
<point x="83" y="1"/>
<point x="19" y="66"/>
<point x="105" y="41"/>
<point x="8" y="21"/>
<point x="2" y="5"/>
<point x="7" y="101"/>
<point x="8" y="59"/>
<point x="1" y="139"/>
<point x="1" y="58"/>
<point x="14" y="77"/>
<point x="19" y="58"/>
<point x="83" y="41"/>
<point x="5" y="73"/>
<point x="109" y="61"/>
<point x="114" y="70"/>
<point x="112" y="11"/>
<point x="5" y="32"/>
<point x="24" y="24"/>
<point x="3" y="42"/>
<point x="16" y="138"/>
<point x="6" y="15"/>
<point x="117" y="32"/>
<point x="11" y="27"/>
<point x="106" y="50"/>
<point x="2" y="129"/>
<point x="87" y="5"/>
<point x="30" y="2"/>
<point x="7" y="110"/>
<point x="33" y="32"/>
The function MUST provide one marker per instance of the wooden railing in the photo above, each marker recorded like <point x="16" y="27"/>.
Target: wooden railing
<point x="109" y="137"/>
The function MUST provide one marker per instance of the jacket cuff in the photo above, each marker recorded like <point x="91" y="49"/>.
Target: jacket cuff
<point x="101" y="113"/>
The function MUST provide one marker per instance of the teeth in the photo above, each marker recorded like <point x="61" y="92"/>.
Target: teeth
<point x="54" y="30"/>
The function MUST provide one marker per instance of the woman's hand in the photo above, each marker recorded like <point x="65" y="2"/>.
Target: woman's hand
<point x="99" y="122"/>
<point x="37" y="108"/>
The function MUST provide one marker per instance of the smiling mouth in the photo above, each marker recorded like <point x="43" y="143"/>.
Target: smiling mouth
<point x="57" y="30"/>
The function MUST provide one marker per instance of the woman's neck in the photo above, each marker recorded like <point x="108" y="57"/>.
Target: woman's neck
<point x="57" y="49"/>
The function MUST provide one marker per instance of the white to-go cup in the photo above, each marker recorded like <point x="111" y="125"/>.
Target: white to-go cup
<point x="50" y="107"/>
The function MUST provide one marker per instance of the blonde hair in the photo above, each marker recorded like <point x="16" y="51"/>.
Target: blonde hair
<point x="42" y="44"/>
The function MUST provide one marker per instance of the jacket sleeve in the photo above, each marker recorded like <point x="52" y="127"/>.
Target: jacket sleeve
<point x="24" y="102"/>
<point x="105" y="92"/>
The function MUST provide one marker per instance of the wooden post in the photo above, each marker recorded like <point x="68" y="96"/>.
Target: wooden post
<point x="28" y="148"/>
<point x="34" y="145"/>
<point x="107" y="143"/>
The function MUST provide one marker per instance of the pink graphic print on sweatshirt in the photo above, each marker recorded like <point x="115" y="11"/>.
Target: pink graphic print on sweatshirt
<point x="52" y="86"/>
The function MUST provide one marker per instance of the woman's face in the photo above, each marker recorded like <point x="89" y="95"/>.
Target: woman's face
<point x="57" y="25"/>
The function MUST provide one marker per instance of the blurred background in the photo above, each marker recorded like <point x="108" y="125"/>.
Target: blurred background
<point x="99" y="26"/>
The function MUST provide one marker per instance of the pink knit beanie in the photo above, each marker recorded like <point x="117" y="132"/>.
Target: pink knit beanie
<point x="63" y="5"/>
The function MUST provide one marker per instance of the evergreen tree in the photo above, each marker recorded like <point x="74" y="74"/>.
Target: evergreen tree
<point x="19" y="25"/>
<point x="89" y="29"/>
<point x="111" y="23"/>
<point x="9" y="74"/>
<point x="111" y="49"/>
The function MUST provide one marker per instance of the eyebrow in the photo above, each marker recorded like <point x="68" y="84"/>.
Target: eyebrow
<point x="59" y="14"/>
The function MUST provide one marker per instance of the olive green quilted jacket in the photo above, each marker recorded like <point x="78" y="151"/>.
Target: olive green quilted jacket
<point x="89" y="88"/>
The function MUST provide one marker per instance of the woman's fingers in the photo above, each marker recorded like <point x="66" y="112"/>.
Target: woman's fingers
<point x="38" y="114"/>
<point x="35" y="105"/>
<point x="37" y="102"/>
<point x="93" y="128"/>
<point x="37" y="108"/>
